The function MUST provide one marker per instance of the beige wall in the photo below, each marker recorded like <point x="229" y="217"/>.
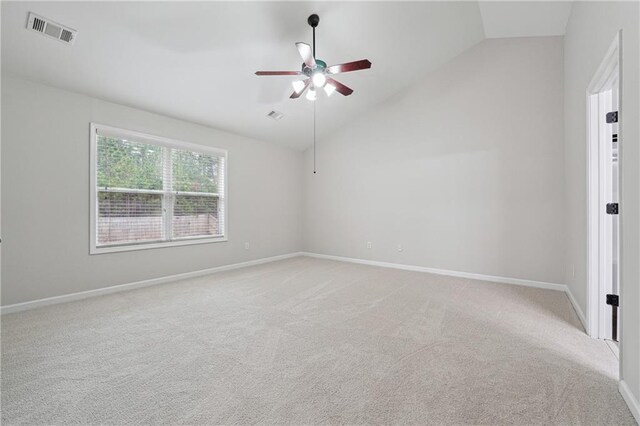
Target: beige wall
<point x="464" y="170"/>
<point x="45" y="178"/>
<point x="590" y="31"/>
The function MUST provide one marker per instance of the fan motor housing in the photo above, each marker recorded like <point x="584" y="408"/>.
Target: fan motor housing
<point x="320" y="66"/>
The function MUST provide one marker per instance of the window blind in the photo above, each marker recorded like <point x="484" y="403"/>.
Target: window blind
<point x="150" y="192"/>
<point x="197" y="180"/>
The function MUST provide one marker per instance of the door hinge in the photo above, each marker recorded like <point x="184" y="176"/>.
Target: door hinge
<point x="614" y="137"/>
<point x="612" y="117"/>
<point x="612" y="208"/>
<point x="613" y="299"/>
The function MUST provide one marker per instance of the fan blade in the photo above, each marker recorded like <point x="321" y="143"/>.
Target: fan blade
<point x="278" y="73"/>
<point x="340" y="88"/>
<point x="296" y="95"/>
<point x="306" y="54"/>
<point x="362" y="64"/>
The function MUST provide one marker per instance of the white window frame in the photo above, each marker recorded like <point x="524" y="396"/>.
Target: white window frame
<point x="156" y="140"/>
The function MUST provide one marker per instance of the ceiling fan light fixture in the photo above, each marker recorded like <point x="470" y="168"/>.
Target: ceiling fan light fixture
<point x="298" y="86"/>
<point x="319" y="79"/>
<point x="315" y="72"/>
<point x="329" y="89"/>
<point x="311" y="94"/>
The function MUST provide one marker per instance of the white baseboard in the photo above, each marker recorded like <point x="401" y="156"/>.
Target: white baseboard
<point x="631" y="401"/>
<point x="17" y="307"/>
<point x="161" y="280"/>
<point x="492" y="278"/>
<point x="576" y="307"/>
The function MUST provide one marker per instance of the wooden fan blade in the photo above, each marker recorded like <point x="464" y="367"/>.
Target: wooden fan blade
<point x="278" y="73"/>
<point x="296" y="95"/>
<point x="306" y="54"/>
<point x="340" y="88"/>
<point x="362" y="64"/>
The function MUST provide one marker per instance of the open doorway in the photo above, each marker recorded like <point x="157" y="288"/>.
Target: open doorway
<point x="604" y="140"/>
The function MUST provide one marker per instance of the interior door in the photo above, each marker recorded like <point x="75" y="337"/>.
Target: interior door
<point x="609" y="198"/>
<point x="615" y="195"/>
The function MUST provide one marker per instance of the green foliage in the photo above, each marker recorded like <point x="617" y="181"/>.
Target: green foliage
<point x="127" y="164"/>
<point x="135" y="165"/>
<point x="194" y="171"/>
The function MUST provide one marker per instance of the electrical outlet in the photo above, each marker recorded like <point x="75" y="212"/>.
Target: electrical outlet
<point x="369" y="244"/>
<point x="400" y="247"/>
<point x="246" y="246"/>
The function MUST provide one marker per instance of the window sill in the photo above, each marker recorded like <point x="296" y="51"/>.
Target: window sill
<point x="154" y="245"/>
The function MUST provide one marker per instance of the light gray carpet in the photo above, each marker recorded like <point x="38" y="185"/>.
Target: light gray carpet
<point x="310" y="341"/>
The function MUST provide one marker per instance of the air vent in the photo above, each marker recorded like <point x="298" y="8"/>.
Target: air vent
<point x="66" y="35"/>
<point x="38" y="24"/>
<point x="276" y="115"/>
<point x="51" y="29"/>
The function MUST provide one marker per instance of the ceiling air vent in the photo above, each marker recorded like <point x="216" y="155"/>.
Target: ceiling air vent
<point x="276" y="115"/>
<point x="51" y="29"/>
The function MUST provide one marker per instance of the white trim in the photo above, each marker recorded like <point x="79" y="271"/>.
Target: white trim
<point x="93" y="196"/>
<point x="611" y="64"/>
<point x="160" y="280"/>
<point x="593" y="219"/>
<point x="634" y="405"/>
<point x="576" y="307"/>
<point x="18" y="307"/>
<point x="492" y="278"/>
<point x="104" y="130"/>
<point x="184" y="241"/>
<point x="116" y="132"/>
<point x="158" y="191"/>
<point x="615" y="348"/>
<point x="167" y="196"/>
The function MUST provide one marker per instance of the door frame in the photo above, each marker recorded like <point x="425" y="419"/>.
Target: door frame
<point x="597" y="320"/>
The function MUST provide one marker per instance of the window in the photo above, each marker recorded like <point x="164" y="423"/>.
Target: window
<point x="148" y="191"/>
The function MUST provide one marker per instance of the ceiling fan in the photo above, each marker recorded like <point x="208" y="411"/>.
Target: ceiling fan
<point x="315" y="72"/>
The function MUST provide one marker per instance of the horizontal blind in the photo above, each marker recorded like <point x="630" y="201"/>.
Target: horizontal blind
<point x="150" y="192"/>
<point x="129" y="190"/>
<point x="197" y="186"/>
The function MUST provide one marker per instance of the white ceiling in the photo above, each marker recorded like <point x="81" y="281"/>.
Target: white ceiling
<point x="524" y="18"/>
<point x="196" y="60"/>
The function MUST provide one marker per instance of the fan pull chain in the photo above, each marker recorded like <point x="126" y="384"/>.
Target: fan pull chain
<point x="314" y="136"/>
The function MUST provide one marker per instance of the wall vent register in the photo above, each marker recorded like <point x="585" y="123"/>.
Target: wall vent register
<point x="51" y="29"/>
<point x="276" y="115"/>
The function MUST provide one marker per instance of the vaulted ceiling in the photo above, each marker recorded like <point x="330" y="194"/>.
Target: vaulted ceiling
<point x="196" y="60"/>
